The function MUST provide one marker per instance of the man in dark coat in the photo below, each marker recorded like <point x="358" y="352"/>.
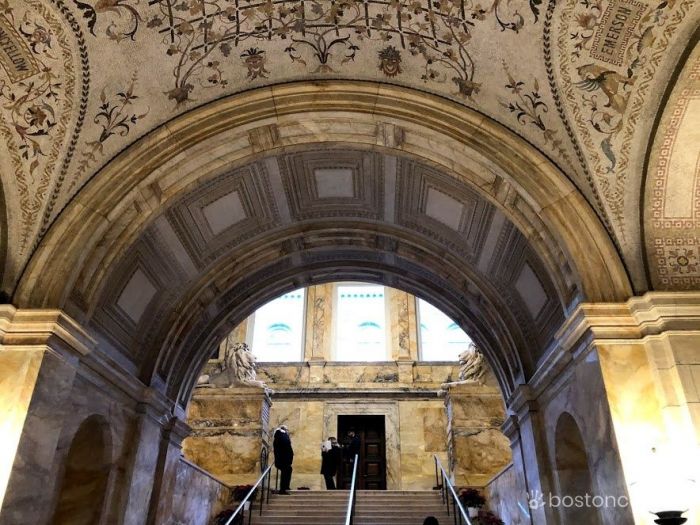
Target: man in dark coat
<point x="354" y="445"/>
<point x="331" y="456"/>
<point x="284" y="456"/>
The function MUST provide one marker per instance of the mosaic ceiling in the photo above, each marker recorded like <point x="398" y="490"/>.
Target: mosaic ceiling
<point x="582" y="81"/>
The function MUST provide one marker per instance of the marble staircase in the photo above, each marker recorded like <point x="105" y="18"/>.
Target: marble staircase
<point x="374" y="507"/>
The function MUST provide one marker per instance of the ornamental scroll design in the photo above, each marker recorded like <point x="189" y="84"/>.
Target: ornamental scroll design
<point x="321" y="37"/>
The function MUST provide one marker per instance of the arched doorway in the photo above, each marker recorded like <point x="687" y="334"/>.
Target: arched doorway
<point x="84" y="482"/>
<point x="573" y="475"/>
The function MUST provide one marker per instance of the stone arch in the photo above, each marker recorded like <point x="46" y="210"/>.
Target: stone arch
<point x="83" y="487"/>
<point x="81" y="260"/>
<point x="3" y="244"/>
<point x="572" y="472"/>
<point x="671" y="192"/>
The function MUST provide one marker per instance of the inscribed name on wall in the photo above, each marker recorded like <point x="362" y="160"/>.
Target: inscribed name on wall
<point x="615" y="29"/>
<point x="15" y="57"/>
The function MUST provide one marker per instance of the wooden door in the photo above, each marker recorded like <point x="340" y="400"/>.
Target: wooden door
<point x="372" y="467"/>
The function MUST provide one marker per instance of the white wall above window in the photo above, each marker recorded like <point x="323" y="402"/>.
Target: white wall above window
<point x="440" y="337"/>
<point x="278" y="328"/>
<point x="360" y="316"/>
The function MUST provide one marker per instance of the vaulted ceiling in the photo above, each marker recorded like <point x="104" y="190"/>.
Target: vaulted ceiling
<point x="581" y="81"/>
<point x="317" y="215"/>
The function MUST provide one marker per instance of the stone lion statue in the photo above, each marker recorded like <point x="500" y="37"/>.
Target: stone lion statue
<point x="471" y="364"/>
<point x="237" y="368"/>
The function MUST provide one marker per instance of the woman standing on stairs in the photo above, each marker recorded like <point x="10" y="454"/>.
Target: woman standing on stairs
<point x="284" y="456"/>
<point x="331" y="456"/>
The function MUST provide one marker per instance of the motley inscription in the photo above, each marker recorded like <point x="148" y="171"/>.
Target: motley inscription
<point x="15" y="57"/>
<point x="615" y="29"/>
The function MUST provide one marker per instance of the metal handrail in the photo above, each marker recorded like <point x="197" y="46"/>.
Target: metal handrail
<point x="240" y="509"/>
<point x="456" y="503"/>
<point x="350" y="514"/>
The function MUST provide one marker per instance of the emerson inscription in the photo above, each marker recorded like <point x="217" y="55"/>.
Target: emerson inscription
<point x="15" y="57"/>
<point x="615" y="29"/>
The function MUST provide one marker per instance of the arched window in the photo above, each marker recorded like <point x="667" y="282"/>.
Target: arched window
<point x="278" y="328"/>
<point x="441" y="339"/>
<point x="361" y="323"/>
<point x="84" y="483"/>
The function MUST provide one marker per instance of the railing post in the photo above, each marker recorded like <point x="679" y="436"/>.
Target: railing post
<point x="262" y="495"/>
<point x="269" y="482"/>
<point x="437" y="480"/>
<point x="447" y="494"/>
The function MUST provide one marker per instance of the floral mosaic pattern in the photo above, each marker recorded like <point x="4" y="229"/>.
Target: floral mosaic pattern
<point x="37" y="110"/>
<point x="322" y="36"/>
<point x="115" y="117"/>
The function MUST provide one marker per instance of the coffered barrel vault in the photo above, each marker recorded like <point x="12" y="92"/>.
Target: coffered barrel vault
<point x="168" y="166"/>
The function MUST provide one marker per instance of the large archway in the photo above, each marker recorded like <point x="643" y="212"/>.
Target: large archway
<point x="419" y="187"/>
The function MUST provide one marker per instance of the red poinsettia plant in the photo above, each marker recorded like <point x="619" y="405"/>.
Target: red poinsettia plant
<point x="471" y="498"/>
<point x="486" y="517"/>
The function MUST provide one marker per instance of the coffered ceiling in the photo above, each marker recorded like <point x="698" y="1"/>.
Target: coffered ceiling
<point x="581" y="81"/>
<point x="320" y="215"/>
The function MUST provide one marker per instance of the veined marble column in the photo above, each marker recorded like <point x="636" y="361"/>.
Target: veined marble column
<point x="38" y="359"/>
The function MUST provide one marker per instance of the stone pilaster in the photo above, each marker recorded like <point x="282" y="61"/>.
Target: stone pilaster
<point x="40" y="351"/>
<point x="230" y="428"/>
<point x="172" y="435"/>
<point x="319" y="315"/>
<point x="526" y="432"/>
<point x="402" y="319"/>
<point x="143" y="463"/>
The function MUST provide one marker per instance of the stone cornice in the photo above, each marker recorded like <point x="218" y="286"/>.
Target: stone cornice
<point x="23" y="328"/>
<point x="20" y="327"/>
<point x="635" y="320"/>
<point x="639" y="317"/>
<point x="344" y="393"/>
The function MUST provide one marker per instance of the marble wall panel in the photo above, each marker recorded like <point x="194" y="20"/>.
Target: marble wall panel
<point x="305" y="423"/>
<point x="229" y="431"/>
<point x="196" y="496"/>
<point x="505" y="497"/>
<point x="479" y="449"/>
<point x="423" y="434"/>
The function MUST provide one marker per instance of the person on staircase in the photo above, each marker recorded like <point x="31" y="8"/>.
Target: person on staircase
<point x="284" y="457"/>
<point x="331" y="456"/>
<point x="354" y="445"/>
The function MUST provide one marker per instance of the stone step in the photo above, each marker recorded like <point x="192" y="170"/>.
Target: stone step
<point x="376" y="507"/>
<point x="359" y="520"/>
